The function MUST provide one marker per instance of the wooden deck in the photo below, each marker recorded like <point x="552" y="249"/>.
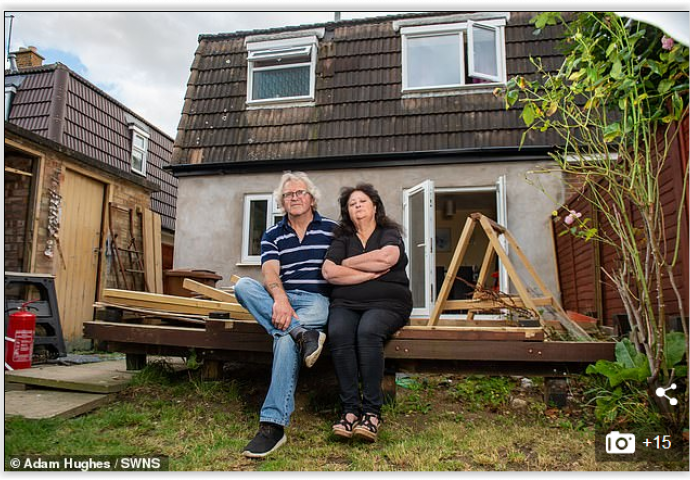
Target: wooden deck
<point x="500" y="350"/>
<point x="435" y="344"/>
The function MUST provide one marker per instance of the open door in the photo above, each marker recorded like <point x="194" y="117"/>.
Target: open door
<point x="420" y="238"/>
<point x="502" y="219"/>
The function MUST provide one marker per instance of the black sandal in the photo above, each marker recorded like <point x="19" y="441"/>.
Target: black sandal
<point x="345" y="427"/>
<point x="367" y="429"/>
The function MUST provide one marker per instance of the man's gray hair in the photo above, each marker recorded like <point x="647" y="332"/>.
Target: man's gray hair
<point x="292" y="177"/>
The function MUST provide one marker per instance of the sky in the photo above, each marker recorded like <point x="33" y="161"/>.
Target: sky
<point x="142" y="58"/>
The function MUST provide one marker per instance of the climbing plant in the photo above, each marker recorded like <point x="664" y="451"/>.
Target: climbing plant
<point x="616" y="102"/>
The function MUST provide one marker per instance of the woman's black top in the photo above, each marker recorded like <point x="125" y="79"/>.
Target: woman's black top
<point x="390" y="291"/>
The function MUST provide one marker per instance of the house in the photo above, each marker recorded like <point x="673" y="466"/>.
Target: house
<point x="405" y="102"/>
<point x="82" y="174"/>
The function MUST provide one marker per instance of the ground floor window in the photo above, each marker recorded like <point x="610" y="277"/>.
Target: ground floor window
<point x="260" y="212"/>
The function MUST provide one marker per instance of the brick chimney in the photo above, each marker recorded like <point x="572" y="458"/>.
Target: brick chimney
<point x="27" y="57"/>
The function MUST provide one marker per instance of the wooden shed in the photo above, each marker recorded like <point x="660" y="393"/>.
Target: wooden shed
<point x="83" y="176"/>
<point x="56" y="220"/>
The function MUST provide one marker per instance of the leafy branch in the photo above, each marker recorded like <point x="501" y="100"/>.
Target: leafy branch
<point x="616" y="103"/>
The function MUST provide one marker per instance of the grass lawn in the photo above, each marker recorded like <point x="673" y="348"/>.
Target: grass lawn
<point x="437" y="423"/>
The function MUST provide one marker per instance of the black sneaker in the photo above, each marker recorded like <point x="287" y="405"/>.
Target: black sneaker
<point x="310" y="344"/>
<point x="268" y="440"/>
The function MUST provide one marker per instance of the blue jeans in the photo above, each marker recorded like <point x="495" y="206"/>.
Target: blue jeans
<point x="312" y="309"/>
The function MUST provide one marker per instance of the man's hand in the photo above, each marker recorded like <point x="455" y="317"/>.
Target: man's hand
<point x="283" y="313"/>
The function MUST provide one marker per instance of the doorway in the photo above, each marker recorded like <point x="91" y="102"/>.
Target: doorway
<point x="451" y="212"/>
<point x="433" y="219"/>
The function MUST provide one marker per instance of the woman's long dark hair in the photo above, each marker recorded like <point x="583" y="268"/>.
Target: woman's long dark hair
<point x="346" y="226"/>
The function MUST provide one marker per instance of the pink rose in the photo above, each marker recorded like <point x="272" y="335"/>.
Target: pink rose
<point x="667" y="43"/>
<point x="571" y="217"/>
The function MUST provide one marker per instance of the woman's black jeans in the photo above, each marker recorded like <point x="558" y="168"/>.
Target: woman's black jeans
<point x="356" y="339"/>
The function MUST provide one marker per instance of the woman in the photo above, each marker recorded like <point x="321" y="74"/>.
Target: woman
<point x="370" y="301"/>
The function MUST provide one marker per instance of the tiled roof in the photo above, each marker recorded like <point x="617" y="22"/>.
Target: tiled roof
<point x="359" y="106"/>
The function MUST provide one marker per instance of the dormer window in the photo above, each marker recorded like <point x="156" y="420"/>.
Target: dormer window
<point x="281" y="70"/>
<point x="140" y="146"/>
<point x="453" y="56"/>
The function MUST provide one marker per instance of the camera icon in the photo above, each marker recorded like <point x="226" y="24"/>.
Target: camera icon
<point x="620" y="443"/>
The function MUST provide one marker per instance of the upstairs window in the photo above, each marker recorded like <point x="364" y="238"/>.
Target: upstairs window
<point x="281" y="70"/>
<point x="438" y="57"/>
<point x="486" y="57"/>
<point x="140" y="146"/>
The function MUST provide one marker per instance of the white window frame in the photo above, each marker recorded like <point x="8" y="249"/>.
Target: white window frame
<point x="272" y="211"/>
<point x="466" y="60"/>
<point x="139" y="133"/>
<point x="275" y="50"/>
<point x="500" y="51"/>
<point x="461" y="62"/>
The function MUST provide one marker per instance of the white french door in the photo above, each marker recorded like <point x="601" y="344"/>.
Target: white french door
<point x="502" y="219"/>
<point x="420" y="239"/>
<point x="419" y="222"/>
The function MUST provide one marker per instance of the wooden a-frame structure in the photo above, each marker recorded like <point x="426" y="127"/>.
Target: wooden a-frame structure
<point x="478" y="303"/>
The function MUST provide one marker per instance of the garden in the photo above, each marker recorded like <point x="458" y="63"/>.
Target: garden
<point x="616" y="102"/>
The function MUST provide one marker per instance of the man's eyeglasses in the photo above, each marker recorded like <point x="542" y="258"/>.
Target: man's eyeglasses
<point x="296" y="194"/>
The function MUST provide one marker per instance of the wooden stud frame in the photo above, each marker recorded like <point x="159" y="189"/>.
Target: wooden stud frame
<point x="524" y="298"/>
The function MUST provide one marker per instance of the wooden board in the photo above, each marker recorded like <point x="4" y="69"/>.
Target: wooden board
<point x="219" y="338"/>
<point x="228" y="340"/>
<point x="170" y="303"/>
<point x="153" y="257"/>
<point x="101" y="377"/>
<point x="455" y="262"/>
<point x="535" y="334"/>
<point x="208" y="291"/>
<point x="38" y="404"/>
<point x="188" y="317"/>
<point x="76" y="256"/>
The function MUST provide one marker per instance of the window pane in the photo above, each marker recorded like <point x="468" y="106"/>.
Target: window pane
<point x="417" y="249"/>
<point x="257" y="225"/>
<point x="433" y="61"/>
<point x="139" y="141"/>
<point x="484" y="50"/>
<point x="281" y="83"/>
<point x="137" y="161"/>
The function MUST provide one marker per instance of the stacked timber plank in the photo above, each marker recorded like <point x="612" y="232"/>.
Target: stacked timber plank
<point x="173" y="307"/>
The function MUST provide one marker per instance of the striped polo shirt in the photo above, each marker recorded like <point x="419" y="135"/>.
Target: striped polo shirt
<point x="300" y="262"/>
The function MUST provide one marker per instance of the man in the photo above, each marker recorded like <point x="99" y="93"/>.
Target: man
<point x="292" y="303"/>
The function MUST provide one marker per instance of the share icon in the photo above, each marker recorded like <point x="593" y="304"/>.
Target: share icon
<point x="661" y="392"/>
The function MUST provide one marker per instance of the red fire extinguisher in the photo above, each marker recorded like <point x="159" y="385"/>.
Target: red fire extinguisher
<point x="19" y="339"/>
